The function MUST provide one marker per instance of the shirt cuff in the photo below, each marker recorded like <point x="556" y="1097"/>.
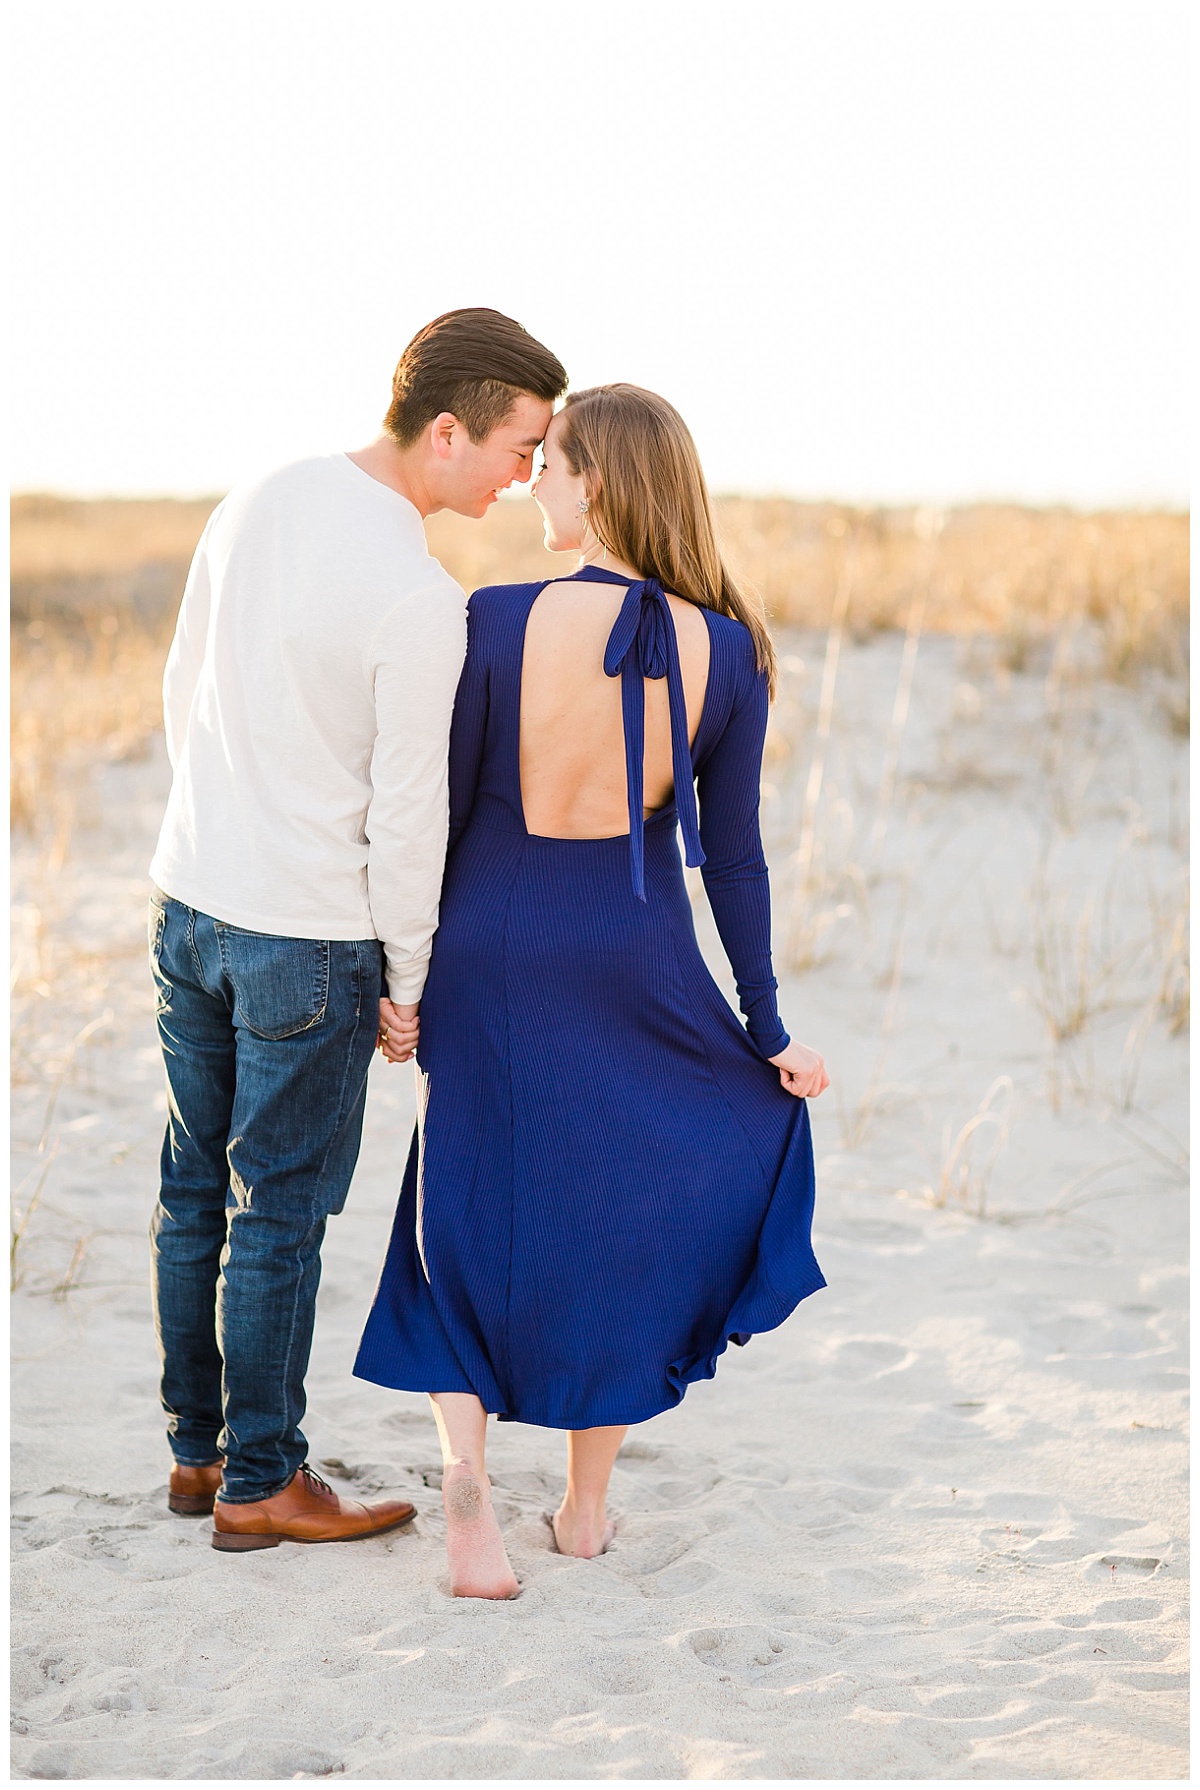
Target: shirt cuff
<point x="405" y="983"/>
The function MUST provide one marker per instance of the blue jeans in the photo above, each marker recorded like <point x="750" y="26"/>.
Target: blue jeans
<point x="267" y="1043"/>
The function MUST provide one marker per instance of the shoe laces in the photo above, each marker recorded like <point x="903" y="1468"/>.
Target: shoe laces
<point x="315" y="1480"/>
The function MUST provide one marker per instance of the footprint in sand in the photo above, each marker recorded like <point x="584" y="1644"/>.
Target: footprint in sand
<point x="657" y="1557"/>
<point x="647" y="1549"/>
<point x="663" y="1476"/>
<point x="639" y="1452"/>
<point x="59" y="1668"/>
<point x="871" y="1358"/>
<point x="1127" y="1609"/>
<point x="1145" y="1565"/>
<point x="963" y="1703"/>
<point x="367" y="1477"/>
<point x="746" y="1651"/>
<point x="857" y="1498"/>
<point x="621" y="1673"/>
<point x="1033" y="1642"/>
<point x="406" y="1420"/>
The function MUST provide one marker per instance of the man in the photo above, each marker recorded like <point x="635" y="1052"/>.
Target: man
<point x="308" y="696"/>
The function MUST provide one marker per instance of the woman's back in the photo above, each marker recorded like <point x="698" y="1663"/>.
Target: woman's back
<point x="572" y="743"/>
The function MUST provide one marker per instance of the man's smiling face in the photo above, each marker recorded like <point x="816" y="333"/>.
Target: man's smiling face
<point x="473" y="474"/>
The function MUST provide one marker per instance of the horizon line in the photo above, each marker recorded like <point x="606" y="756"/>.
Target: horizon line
<point x="1129" y="506"/>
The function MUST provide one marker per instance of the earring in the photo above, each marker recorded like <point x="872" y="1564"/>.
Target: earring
<point x="582" y="507"/>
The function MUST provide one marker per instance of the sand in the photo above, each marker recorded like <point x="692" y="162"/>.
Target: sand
<point x="934" y="1527"/>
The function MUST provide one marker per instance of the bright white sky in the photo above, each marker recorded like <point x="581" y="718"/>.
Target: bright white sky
<point x="872" y="249"/>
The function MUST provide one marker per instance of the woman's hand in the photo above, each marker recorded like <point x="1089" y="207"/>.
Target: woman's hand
<point x="399" y="1031"/>
<point x="801" y="1071"/>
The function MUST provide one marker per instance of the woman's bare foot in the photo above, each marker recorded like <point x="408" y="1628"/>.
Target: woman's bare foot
<point x="581" y="1534"/>
<point x="474" y="1545"/>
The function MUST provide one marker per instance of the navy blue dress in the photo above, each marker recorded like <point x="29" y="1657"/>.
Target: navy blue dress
<point x="607" y="1183"/>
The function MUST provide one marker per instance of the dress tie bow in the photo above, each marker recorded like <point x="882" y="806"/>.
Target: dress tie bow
<point x="642" y="644"/>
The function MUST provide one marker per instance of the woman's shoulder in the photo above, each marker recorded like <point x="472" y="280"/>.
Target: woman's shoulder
<point x="494" y="609"/>
<point x="729" y="629"/>
<point x="733" y="643"/>
<point x="491" y="597"/>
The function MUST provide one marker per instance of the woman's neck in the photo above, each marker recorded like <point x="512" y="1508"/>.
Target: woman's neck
<point x="596" y="555"/>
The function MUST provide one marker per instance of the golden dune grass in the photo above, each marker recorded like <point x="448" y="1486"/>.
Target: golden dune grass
<point x="96" y="586"/>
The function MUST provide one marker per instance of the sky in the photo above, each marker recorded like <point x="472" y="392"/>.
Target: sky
<point x="873" y="250"/>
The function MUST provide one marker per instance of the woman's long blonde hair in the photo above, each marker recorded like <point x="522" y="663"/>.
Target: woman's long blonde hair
<point x="648" y="502"/>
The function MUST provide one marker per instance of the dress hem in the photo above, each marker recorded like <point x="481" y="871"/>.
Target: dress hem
<point x="685" y="1372"/>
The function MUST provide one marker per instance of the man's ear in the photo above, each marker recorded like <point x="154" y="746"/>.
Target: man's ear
<point x="441" y="433"/>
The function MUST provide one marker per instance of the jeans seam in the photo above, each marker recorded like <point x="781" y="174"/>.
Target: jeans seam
<point x="334" y="1132"/>
<point x="191" y="939"/>
<point x="157" y="928"/>
<point x="292" y="1419"/>
<point x="341" y="1106"/>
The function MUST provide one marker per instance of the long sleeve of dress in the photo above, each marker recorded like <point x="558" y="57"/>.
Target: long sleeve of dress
<point x="468" y="730"/>
<point x="735" y="870"/>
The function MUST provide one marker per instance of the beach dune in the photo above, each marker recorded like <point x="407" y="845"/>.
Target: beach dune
<point x="933" y="1527"/>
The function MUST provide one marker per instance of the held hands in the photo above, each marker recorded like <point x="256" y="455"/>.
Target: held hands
<point x="399" y="1030"/>
<point x="801" y="1071"/>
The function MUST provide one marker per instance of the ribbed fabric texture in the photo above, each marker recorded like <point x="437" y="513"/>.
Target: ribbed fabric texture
<point x="609" y="1183"/>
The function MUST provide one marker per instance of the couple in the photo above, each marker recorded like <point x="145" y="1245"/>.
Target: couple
<point x="611" y="1177"/>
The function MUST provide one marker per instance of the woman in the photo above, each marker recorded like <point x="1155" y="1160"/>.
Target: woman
<point x="608" y="1182"/>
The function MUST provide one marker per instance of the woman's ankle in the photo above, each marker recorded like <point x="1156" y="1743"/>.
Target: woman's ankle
<point x="584" y="1523"/>
<point x="581" y="1533"/>
<point x="584" y="1510"/>
<point x="461" y="1467"/>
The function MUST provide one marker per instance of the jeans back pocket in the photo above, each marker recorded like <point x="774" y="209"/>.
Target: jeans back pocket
<point x="280" y="985"/>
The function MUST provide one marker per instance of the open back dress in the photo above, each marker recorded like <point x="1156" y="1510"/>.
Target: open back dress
<point x="607" y="1182"/>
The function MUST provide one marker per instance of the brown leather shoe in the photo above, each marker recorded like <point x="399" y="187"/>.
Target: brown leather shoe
<point x="193" y="1489"/>
<point x="305" y="1510"/>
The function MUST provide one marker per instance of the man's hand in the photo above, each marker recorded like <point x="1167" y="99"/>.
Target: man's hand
<point x="399" y="1031"/>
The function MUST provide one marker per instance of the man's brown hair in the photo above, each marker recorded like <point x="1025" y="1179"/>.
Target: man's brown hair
<point x="473" y="363"/>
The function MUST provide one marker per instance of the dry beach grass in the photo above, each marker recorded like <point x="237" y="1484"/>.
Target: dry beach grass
<point x="95" y="586"/>
<point x="935" y="1525"/>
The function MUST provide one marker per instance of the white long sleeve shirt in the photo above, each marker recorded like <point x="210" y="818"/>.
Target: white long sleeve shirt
<point x="308" y="696"/>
